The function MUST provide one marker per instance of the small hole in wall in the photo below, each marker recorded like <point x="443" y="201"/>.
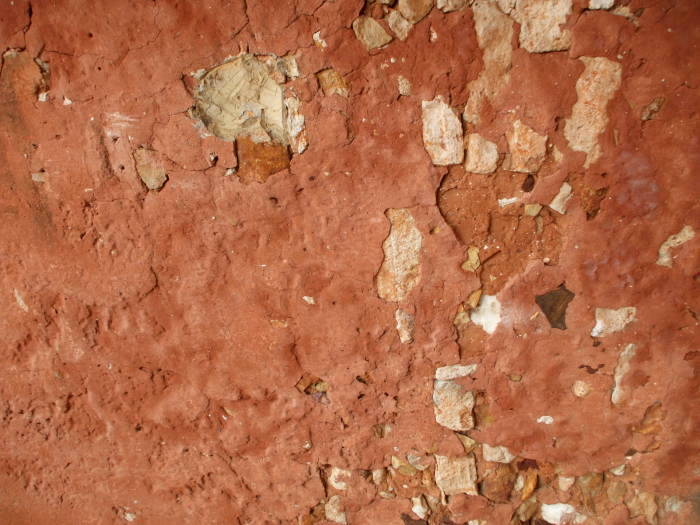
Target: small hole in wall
<point x="274" y="201"/>
<point x="115" y="139"/>
<point x="90" y="35"/>
<point x="138" y="428"/>
<point x="528" y="184"/>
<point x="121" y="167"/>
<point x="99" y="68"/>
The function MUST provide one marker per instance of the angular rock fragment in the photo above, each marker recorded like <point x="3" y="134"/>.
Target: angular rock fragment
<point x="453" y="405"/>
<point x="643" y="504"/>
<point x="651" y="109"/>
<point x="241" y="98"/>
<point x="149" y="168"/>
<point x="442" y="133"/>
<point x="447" y="373"/>
<point x="419" y="506"/>
<point x="494" y="32"/>
<point x="497" y="483"/>
<point x="400" y="270"/>
<point x="527" y="509"/>
<point x="665" y="258"/>
<point x="561" y="199"/>
<point x="456" y="475"/>
<point x="260" y="160"/>
<point x="580" y="388"/>
<point x="608" y="320"/>
<point x="561" y="514"/>
<point x="532" y="210"/>
<point x="473" y="262"/>
<point x="589" y="118"/>
<point x="539" y="24"/>
<point x="482" y="155"/>
<point x="334" y="510"/>
<point x="295" y="125"/>
<point x="526" y="149"/>
<point x="553" y="304"/>
<point x="398" y="24"/>
<point x="414" y="10"/>
<point x="497" y="454"/>
<point x="405" y="323"/>
<point x="623" y="366"/>
<point x="488" y="314"/>
<point x="600" y="4"/>
<point x="565" y="483"/>
<point x="370" y="32"/>
<point x="447" y="6"/>
<point x="333" y="83"/>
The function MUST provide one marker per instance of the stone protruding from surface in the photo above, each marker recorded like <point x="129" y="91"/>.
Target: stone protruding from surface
<point x="561" y="514"/>
<point x="497" y="454"/>
<point x="482" y="154"/>
<point x="540" y="22"/>
<point x="447" y="6"/>
<point x="589" y="118"/>
<point x="334" y="510"/>
<point x="295" y="125"/>
<point x="370" y="32"/>
<point x="494" y="32"/>
<point x="414" y="10"/>
<point x="404" y="86"/>
<point x="623" y="366"/>
<point x="405" y="323"/>
<point x="447" y="373"/>
<point x="488" y="314"/>
<point x="442" y="133"/>
<point x="675" y="240"/>
<point x="526" y="149"/>
<point x="241" y="98"/>
<point x="456" y="475"/>
<point x="398" y="24"/>
<point x="400" y="270"/>
<point x="600" y="4"/>
<point x="453" y="405"/>
<point x="561" y="199"/>
<point x="608" y="320"/>
<point x="149" y="168"/>
<point x="338" y="478"/>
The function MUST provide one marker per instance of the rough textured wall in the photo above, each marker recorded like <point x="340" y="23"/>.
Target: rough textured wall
<point x="321" y="261"/>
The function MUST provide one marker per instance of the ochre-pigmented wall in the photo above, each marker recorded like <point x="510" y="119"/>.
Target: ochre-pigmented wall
<point x="333" y="261"/>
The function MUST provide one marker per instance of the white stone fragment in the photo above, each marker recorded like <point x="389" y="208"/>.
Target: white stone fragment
<point x="295" y="125"/>
<point x="608" y="320"/>
<point x="43" y="96"/>
<point x="502" y="203"/>
<point x="447" y="373"/>
<point x="405" y="323"/>
<point x="67" y="101"/>
<point x="623" y="366"/>
<point x="498" y="454"/>
<point x="488" y="314"/>
<point x="320" y="42"/>
<point x="560" y="514"/>
<point x="308" y="299"/>
<point x="419" y="507"/>
<point x="589" y="118"/>
<point x="20" y="301"/>
<point x="398" y="24"/>
<point x="665" y="258"/>
<point x="442" y="133"/>
<point x="600" y="4"/>
<point x="39" y="176"/>
<point x="565" y="483"/>
<point x="580" y="388"/>
<point x="338" y="478"/>
<point x="619" y="470"/>
<point x="482" y="154"/>
<point x="400" y="270"/>
<point x="456" y="475"/>
<point x="540" y="22"/>
<point x="560" y="201"/>
<point x="546" y="420"/>
<point x="334" y="510"/>
<point x="129" y="516"/>
<point x="453" y="405"/>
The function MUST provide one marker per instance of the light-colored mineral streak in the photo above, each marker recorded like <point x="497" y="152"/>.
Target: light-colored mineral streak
<point x="623" y="366"/>
<point x="589" y="118"/>
<point x="665" y="257"/>
<point x="400" y="270"/>
<point x="494" y="32"/>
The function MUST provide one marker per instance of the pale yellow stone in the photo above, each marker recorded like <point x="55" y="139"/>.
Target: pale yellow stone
<point x="400" y="270"/>
<point x="453" y="405"/>
<point x="149" y="168"/>
<point x="473" y="262"/>
<point x="398" y="24"/>
<point x="532" y="210"/>
<point x="414" y="10"/>
<point x="482" y="155"/>
<point x="526" y="149"/>
<point x="608" y="320"/>
<point x="370" y="32"/>
<point x="456" y="475"/>
<point x="405" y="324"/>
<point x="675" y="240"/>
<point x="442" y="133"/>
<point x="540" y="22"/>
